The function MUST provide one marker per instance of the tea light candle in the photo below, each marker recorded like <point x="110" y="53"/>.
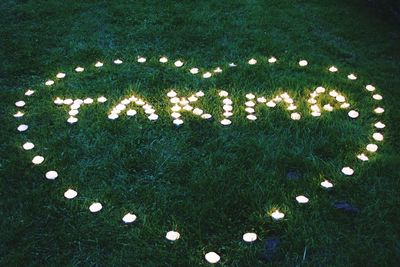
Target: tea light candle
<point x="178" y="63"/>
<point x="197" y="111"/>
<point x="250" y="104"/>
<point x="22" y="128"/>
<point x="113" y="116"/>
<point x="207" y="75"/>
<point x="199" y="94"/>
<point x="326" y="184"/>
<point x="379" y="125"/>
<point x="379" y="110"/>
<point x="172" y="235"/>
<point x="225" y="122"/>
<point x="227" y="114"/>
<point x="250" y="96"/>
<point x="49" y="82"/>
<point x="249" y="110"/>
<point x="37" y="160"/>
<point x="372" y="147"/>
<point x="271" y="104"/>
<point x="377" y="97"/>
<point x="353" y="114"/>
<point x="98" y="64"/>
<point x="19" y="114"/>
<point x="68" y="101"/>
<point x="261" y="99"/>
<point x="251" y="117"/>
<point x="95" y="207"/>
<point x="328" y="107"/>
<point x="320" y="90"/>
<point x="345" y="105"/>
<point x="177" y="122"/>
<point x="20" y="104"/>
<point x="370" y="87"/>
<point x="249" y="237"/>
<point x="333" y="93"/>
<point x="303" y="63"/>
<point x="277" y="215"/>
<point x="72" y="120"/>
<point x="295" y="116"/>
<point x="206" y="116"/>
<point x="223" y="94"/>
<point x="29" y="92"/>
<point x="217" y="70"/>
<point x="88" y="101"/>
<point x="252" y="61"/>
<point x="79" y="69"/>
<point x="347" y="171"/>
<point x="153" y="117"/>
<point x="333" y="69"/>
<point x="60" y="75"/>
<point x="51" y="175"/>
<point x="212" y="257"/>
<point x="232" y="65"/>
<point x="28" y="146"/>
<point x="129" y="218"/>
<point x="340" y="98"/>
<point x="351" y="76"/>
<point x="272" y="60"/>
<point x="192" y="98"/>
<point x="118" y="61"/>
<point x="302" y="199"/>
<point x="194" y="70"/>
<point x="163" y="60"/>
<point x="101" y="99"/>
<point x="131" y="112"/>
<point x="141" y="59"/>
<point x="171" y="94"/>
<point x="377" y="136"/>
<point x="70" y="194"/>
<point x="362" y="157"/>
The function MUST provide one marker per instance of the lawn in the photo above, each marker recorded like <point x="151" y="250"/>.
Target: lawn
<point x="210" y="182"/>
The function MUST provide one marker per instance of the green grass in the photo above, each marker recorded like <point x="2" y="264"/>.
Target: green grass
<point x="209" y="182"/>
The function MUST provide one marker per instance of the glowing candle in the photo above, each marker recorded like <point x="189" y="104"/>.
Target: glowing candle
<point x="171" y="94"/>
<point x="28" y="146"/>
<point x="302" y="199"/>
<point x="379" y="125"/>
<point x="176" y="108"/>
<point x="372" y="147"/>
<point x="73" y="112"/>
<point x="250" y="104"/>
<point x="68" y="101"/>
<point x="98" y="64"/>
<point x="223" y="93"/>
<point x="261" y="99"/>
<point x="370" y="88"/>
<point x="328" y="107"/>
<point x="232" y="65"/>
<point x="153" y="117"/>
<point x="37" y="160"/>
<point x="101" y="99"/>
<point x="303" y="63"/>
<point x="249" y="237"/>
<point x="141" y="59"/>
<point x="315" y="114"/>
<point x="72" y="120"/>
<point x="353" y="114"/>
<point x="377" y="97"/>
<point x="51" y="175"/>
<point x="60" y="75"/>
<point x="217" y="70"/>
<point x="194" y="70"/>
<point x="49" y="82"/>
<point x="79" y="69"/>
<point x="88" y="101"/>
<point x="163" y="60"/>
<point x="227" y="114"/>
<point x="129" y="218"/>
<point x="351" y="76"/>
<point x="272" y="60"/>
<point x="225" y="122"/>
<point x="197" y="111"/>
<point x="250" y="96"/>
<point x="340" y="98"/>
<point x="20" y="104"/>
<point x="333" y="93"/>
<point x="95" y="207"/>
<point x="251" y="117"/>
<point x="22" y="128"/>
<point x="249" y="110"/>
<point x="212" y="257"/>
<point x="379" y="110"/>
<point x="177" y="122"/>
<point x="295" y="116"/>
<point x="113" y="116"/>
<point x="320" y="90"/>
<point x="178" y="63"/>
<point x="347" y="171"/>
<point x="131" y="112"/>
<point x="29" y="92"/>
<point x="199" y="94"/>
<point x="362" y="157"/>
<point x="19" y="114"/>
<point x="326" y="184"/>
<point x="192" y="98"/>
<point x="377" y="136"/>
<point x="271" y="104"/>
<point x="207" y="75"/>
<point x="333" y="69"/>
<point x="118" y="61"/>
<point x="277" y="215"/>
<point x="172" y="235"/>
<point x="206" y="116"/>
<point x="70" y="194"/>
<point x="252" y="61"/>
<point x="345" y="105"/>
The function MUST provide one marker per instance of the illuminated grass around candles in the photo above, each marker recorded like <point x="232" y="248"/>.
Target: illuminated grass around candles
<point x="212" y="183"/>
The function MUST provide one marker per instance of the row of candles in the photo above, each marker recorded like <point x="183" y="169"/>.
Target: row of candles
<point x="183" y="104"/>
